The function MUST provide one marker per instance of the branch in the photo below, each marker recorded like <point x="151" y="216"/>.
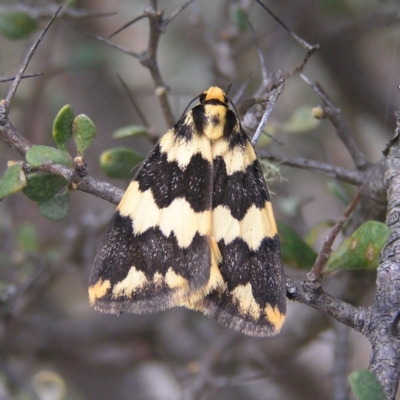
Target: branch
<point x="24" y="65"/>
<point x="340" y="367"/>
<point x="305" y="293"/>
<point x="36" y="12"/>
<point x="383" y="332"/>
<point x="87" y="183"/>
<point x="345" y="175"/>
<point x="148" y="58"/>
<point x="10" y="136"/>
<point x="343" y="131"/>
<point x="12" y="78"/>
<point x="272" y="98"/>
<point x="315" y="274"/>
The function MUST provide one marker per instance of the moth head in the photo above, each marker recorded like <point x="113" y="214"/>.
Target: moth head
<point x="214" y="93"/>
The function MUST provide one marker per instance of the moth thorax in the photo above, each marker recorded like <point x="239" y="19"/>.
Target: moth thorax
<point x="215" y="119"/>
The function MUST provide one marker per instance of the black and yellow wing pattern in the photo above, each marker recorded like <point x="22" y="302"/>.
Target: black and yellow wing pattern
<point x="195" y="228"/>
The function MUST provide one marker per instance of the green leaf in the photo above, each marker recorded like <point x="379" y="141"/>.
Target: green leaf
<point x="361" y="249"/>
<point x="13" y="180"/>
<point x="301" y="121"/>
<point x="239" y="18"/>
<point x="62" y="127"/>
<point x="43" y="186"/>
<point x="366" y="386"/>
<point x="55" y="208"/>
<point x="119" y="162"/>
<point x="71" y="4"/>
<point x="130" y="130"/>
<point x="27" y="237"/>
<point x="295" y="251"/>
<point x="17" y="25"/>
<point x="38" y="155"/>
<point x="84" y="132"/>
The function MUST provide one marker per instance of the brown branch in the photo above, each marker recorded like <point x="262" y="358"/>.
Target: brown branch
<point x="340" y="367"/>
<point x="10" y="136"/>
<point x="273" y="96"/>
<point x="127" y="25"/>
<point x="176" y="13"/>
<point x="134" y="103"/>
<point x="385" y="341"/>
<point x="343" y="174"/>
<point x="305" y="293"/>
<point x="149" y="59"/>
<point x="36" y="12"/>
<point x="87" y="183"/>
<point x="343" y="131"/>
<point x="12" y="78"/>
<point x="113" y="45"/>
<point x="25" y="63"/>
<point x="315" y="274"/>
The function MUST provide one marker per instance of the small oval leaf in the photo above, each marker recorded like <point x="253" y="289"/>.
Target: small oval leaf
<point x="62" y="127"/>
<point x="17" y="25"/>
<point x="84" y="131"/>
<point x="38" y="155"/>
<point x="295" y="251"/>
<point x="366" y="386"/>
<point x="13" y="180"/>
<point x="55" y="208"/>
<point x="361" y="249"/>
<point x="239" y="18"/>
<point x="119" y="162"/>
<point x="43" y="186"/>
<point x="130" y="130"/>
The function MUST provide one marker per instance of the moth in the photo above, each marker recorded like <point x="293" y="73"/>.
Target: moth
<point x="195" y="228"/>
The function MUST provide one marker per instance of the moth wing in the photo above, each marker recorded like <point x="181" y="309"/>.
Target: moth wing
<point x="253" y="298"/>
<point x="156" y="252"/>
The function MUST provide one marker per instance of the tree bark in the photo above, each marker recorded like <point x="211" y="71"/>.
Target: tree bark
<point x="382" y="331"/>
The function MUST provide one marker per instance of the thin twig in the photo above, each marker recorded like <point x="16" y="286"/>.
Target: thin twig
<point x="24" y="65"/>
<point x="345" y="175"/>
<point x="113" y="45"/>
<point x="264" y="72"/>
<point x="316" y="272"/>
<point x="297" y="38"/>
<point x="134" y="103"/>
<point x="37" y="12"/>
<point x="272" y="98"/>
<point x="128" y="24"/>
<point x="342" y="130"/>
<point x="240" y="91"/>
<point x="176" y="13"/>
<point x="22" y="77"/>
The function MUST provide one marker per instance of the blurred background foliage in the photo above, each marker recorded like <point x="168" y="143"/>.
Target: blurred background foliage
<point x="53" y="346"/>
